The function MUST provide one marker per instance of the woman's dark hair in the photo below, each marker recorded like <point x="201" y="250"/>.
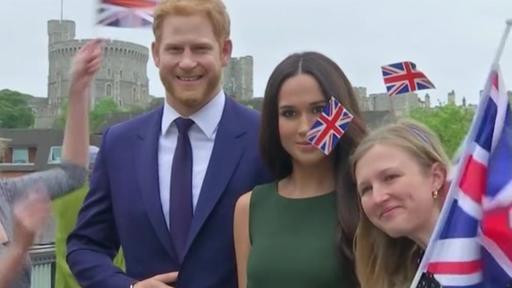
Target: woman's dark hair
<point x="333" y="82"/>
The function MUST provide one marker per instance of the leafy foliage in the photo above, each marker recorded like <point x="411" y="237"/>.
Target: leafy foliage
<point x="450" y="122"/>
<point x="104" y="110"/>
<point x="65" y="211"/>
<point x="14" y="110"/>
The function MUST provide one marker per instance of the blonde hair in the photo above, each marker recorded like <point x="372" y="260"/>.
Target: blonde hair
<point x="383" y="261"/>
<point x="214" y="10"/>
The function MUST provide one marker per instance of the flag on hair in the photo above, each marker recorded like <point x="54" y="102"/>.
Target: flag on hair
<point x="471" y="243"/>
<point x="403" y="77"/>
<point x="126" y="13"/>
<point x="330" y="125"/>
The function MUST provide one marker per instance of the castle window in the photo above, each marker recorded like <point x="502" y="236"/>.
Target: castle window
<point x="108" y="90"/>
<point x="134" y="93"/>
<point x="120" y="74"/>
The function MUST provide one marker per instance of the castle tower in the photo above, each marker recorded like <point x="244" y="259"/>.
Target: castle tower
<point x="427" y="101"/>
<point x="451" y="97"/>
<point x="237" y="78"/>
<point x="122" y="76"/>
<point x="362" y="98"/>
<point x="59" y="31"/>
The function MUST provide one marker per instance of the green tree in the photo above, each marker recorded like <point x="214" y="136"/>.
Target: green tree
<point x="99" y="115"/>
<point x="254" y="103"/>
<point x="103" y="109"/>
<point x="449" y="122"/>
<point x="65" y="211"/>
<point x="14" y="110"/>
<point x="60" y="121"/>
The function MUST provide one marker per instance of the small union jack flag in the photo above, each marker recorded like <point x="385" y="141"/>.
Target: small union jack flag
<point x="329" y="126"/>
<point x="403" y="78"/>
<point x="471" y="246"/>
<point x="126" y="13"/>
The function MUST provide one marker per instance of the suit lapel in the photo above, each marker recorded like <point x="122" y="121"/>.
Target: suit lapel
<point x="227" y="150"/>
<point x="147" y="173"/>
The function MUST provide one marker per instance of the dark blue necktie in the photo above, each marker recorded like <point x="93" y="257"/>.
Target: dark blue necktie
<point x="180" y="211"/>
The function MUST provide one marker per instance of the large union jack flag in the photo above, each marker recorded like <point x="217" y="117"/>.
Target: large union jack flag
<point x="471" y="245"/>
<point x="126" y="13"/>
<point x="329" y="126"/>
<point x="403" y="77"/>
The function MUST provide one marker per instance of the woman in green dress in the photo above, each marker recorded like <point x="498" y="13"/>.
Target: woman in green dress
<point x="298" y="231"/>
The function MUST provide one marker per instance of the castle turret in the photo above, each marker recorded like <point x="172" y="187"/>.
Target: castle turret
<point x="59" y="31"/>
<point x="237" y="78"/>
<point x="451" y="97"/>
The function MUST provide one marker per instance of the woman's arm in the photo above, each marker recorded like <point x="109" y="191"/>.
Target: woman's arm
<point x="72" y="172"/>
<point x="85" y="64"/>
<point x="241" y="236"/>
<point x="29" y="215"/>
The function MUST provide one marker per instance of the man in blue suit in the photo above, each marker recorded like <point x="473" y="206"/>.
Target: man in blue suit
<point x="165" y="184"/>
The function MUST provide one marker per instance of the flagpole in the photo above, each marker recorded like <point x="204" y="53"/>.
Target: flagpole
<point x="502" y="43"/>
<point x="450" y="197"/>
<point x="61" y="10"/>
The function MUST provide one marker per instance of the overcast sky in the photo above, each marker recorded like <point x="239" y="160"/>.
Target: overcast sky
<point x="452" y="41"/>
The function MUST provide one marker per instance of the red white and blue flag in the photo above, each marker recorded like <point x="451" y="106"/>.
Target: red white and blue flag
<point x="471" y="245"/>
<point x="126" y="13"/>
<point x="403" y="77"/>
<point x="329" y="126"/>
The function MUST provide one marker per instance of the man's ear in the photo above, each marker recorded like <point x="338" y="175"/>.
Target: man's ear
<point x="154" y="51"/>
<point x="227" y="49"/>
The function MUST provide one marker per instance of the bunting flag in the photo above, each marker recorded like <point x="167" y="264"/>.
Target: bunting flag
<point x="126" y="13"/>
<point x="403" y="77"/>
<point x="471" y="245"/>
<point x="329" y="126"/>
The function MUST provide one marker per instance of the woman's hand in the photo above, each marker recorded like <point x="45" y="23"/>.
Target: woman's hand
<point x="30" y="213"/>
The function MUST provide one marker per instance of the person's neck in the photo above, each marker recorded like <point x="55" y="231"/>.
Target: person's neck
<point x="184" y="110"/>
<point x="422" y="235"/>
<point x="308" y="181"/>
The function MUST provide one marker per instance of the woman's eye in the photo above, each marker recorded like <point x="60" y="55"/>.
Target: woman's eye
<point x="318" y="109"/>
<point x="390" y="177"/>
<point x="364" y="190"/>
<point x="288" y="113"/>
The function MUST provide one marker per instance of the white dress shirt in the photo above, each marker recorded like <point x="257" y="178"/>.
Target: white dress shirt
<point x="202" y="137"/>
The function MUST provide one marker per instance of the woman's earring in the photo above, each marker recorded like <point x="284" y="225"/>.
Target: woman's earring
<point x="435" y="193"/>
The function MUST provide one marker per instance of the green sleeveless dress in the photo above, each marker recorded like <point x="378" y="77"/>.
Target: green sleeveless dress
<point x="293" y="241"/>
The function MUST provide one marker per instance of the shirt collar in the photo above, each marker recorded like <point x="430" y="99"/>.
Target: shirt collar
<point x="207" y="118"/>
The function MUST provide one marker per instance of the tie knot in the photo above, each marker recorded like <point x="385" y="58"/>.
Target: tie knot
<point x="183" y="124"/>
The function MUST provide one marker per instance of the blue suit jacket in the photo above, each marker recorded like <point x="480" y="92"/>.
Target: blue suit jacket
<point x="123" y="206"/>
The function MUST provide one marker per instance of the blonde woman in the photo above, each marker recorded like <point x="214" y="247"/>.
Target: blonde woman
<point x="400" y="171"/>
<point x="24" y="201"/>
